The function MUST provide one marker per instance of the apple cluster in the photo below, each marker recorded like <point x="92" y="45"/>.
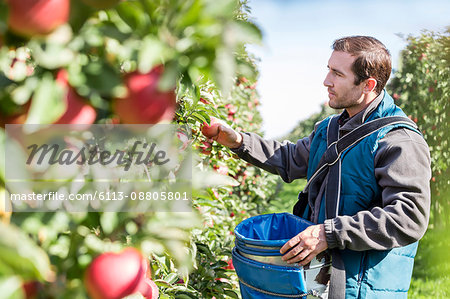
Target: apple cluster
<point x="143" y="102"/>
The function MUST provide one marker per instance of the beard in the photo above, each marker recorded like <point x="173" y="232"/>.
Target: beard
<point x="349" y="99"/>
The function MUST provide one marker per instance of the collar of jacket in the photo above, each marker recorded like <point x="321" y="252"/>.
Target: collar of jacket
<point x="349" y="123"/>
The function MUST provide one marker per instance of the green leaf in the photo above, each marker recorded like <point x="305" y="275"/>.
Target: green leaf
<point x="2" y="155"/>
<point x="231" y="294"/>
<point x="223" y="8"/>
<point x="191" y="16"/>
<point x="14" y="166"/>
<point x="109" y="222"/>
<point x="11" y="287"/>
<point x="170" y="76"/>
<point x="51" y="55"/>
<point x="101" y="77"/>
<point x="225" y="67"/>
<point x="21" y="255"/>
<point x="219" y="264"/>
<point x="244" y="32"/>
<point x="201" y="117"/>
<point x="171" y="278"/>
<point x="205" y="250"/>
<point x="22" y="93"/>
<point x="47" y="104"/>
<point x="151" y="53"/>
<point x="132" y="15"/>
<point x="79" y="13"/>
<point x="185" y="296"/>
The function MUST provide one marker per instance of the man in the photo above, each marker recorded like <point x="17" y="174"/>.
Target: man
<point x="384" y="191"/>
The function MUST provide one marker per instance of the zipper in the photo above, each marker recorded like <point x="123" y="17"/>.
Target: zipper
<point x="361" y="267"/>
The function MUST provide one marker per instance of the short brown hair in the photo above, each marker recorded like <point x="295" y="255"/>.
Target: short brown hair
<point x="372" y="58"/>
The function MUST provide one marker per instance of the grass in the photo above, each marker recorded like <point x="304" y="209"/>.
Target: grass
<point x="429" y="288"/>
<point x="286" y="197"/>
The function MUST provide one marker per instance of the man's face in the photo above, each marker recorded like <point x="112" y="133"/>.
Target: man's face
<point x="342" y="91"/>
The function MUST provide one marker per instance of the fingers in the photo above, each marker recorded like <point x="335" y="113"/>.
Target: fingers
<point x="306" y="260"/>
<point x="289" y="244"/>
<point x="298" y="250"/>
<point x="293" y="254"/>
<point x="305" y="246"/>
<point x="228" y="137"/>
<point x="299" y="255"/>
<point x="223" y="134"/>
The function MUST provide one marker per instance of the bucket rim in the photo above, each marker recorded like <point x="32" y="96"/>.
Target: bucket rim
<point x="266" y="243"/>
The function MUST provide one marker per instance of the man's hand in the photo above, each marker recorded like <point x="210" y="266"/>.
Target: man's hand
<point x="222" y="133"/>
<point x="305" y="246"/>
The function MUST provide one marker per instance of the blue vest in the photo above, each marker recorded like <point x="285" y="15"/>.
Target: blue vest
<point x="371" y="273"/>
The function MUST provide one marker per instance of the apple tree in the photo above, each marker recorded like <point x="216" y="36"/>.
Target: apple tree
<point x="421" y="86"/>
<point x="142" y="61"/>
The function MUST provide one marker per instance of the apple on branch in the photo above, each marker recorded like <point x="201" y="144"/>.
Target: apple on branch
<point x="77" y="110"/>
<point x="212" y="129"/>
<point x="37" y="17"/>
<point x="221" y="132"/>
<point x="145" y="103"/>
<point x="116" y="275"/>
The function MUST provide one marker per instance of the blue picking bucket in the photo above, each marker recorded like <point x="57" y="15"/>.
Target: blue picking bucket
<point x="257" y="259"/>
<point x="262" y="281"/>
<point x="270" y="230"/>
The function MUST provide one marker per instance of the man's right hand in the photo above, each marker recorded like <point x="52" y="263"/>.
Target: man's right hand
<point x="221" y="132"/>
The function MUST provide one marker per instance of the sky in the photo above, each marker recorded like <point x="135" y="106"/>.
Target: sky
<point x="297" y="38"/>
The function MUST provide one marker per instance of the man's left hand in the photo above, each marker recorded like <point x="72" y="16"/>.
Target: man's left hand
<point x="305" y="246"/>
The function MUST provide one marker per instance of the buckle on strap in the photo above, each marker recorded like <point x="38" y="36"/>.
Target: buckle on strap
<point x="331" y="155"/>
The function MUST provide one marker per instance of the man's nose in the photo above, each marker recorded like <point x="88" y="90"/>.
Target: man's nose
<point x="327" y="82"/>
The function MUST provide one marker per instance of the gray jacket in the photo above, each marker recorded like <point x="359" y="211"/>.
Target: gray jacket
<point x="402" y="170"/>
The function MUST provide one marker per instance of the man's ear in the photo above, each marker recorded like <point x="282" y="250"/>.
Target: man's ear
<point x="371" y="83"/>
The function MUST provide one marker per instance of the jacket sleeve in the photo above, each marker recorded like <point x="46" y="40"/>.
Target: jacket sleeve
<point x="402" y="170"/>
<point x="288" y="160"/>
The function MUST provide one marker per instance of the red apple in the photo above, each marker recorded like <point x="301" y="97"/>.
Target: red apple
<point x="212" y="129"/>
<point x="230" y="265"/>
<point x="231" y="109"/>
<point x="145" y="103"/>
<point x="116" y="275"/>
<point x="37" y="17"/>
<point x="149" y="289"/>
<point x="101" y="4"/>
<point x="77" y="111"/>
<point x="206" y="148"/>
<point x="30" y="289"/>
<point x="14" y="119"/>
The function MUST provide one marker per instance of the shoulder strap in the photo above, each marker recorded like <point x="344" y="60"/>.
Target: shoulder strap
<point x="337" y="146"/>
